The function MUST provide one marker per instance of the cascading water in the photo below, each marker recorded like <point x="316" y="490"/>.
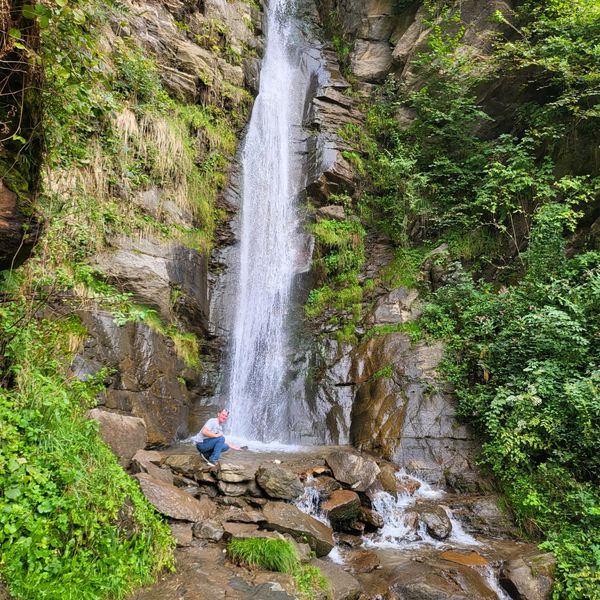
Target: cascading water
<point x="271" y="244"/>
<point x="398" y="533"/>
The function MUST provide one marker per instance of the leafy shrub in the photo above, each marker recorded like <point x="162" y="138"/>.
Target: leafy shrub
<point x="73" y="525"/>
<point x="526" y="368"/>
<point x="449" y="172"/>
<point x="339" y="255"/>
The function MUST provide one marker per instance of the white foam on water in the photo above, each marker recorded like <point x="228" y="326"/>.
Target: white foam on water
<point x="309" y="502"/>
<point x="398" y="529"/>
<point x="491" y="579"/>
<point x="459" y="536"/>
<point x="336" y="556"/>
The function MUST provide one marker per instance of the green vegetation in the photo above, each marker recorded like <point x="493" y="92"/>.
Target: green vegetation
<point x="445" y="176"/>
<point x="339" y="256"/>
<point x="525" y="364"/>
<point x="270" y="554"/>
<point x="281" y="556"/>
<point x="405" y="269"/>
<point x="413" y="329"/>
<point x="512" y="195"/>
<point x="73" y="525"/>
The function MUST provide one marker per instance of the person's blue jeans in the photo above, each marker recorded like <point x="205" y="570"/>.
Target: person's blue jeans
<point x="212" y="447"/>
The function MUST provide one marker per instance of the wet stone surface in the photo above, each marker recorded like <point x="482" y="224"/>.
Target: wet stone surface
<point x="406" y="545"/>
<point x="203" y="573"/>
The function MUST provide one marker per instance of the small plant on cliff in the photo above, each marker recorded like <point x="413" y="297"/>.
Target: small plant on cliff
<point x="339" y="256"/>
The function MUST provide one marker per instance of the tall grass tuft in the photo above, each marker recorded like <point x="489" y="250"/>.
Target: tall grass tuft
<point x="270" y="554"/>
<point x="280" y="556"/>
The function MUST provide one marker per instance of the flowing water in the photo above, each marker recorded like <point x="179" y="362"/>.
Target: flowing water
<point x="272" y="244"/>
<point x="397" y="531"/>
<point x="399" y="534"/>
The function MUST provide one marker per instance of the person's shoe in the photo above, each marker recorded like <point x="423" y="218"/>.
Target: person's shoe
<point x="210" y="464"/>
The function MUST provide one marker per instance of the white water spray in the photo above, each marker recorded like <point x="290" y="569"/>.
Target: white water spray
<point x="399" y="532"/>
<point x="309" y="502"/>
<point x="271" y="245"/>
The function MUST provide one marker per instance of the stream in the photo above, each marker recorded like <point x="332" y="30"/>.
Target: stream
<point x="401" y="538"/>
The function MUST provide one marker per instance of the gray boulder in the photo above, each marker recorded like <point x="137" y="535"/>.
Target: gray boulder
<point x="356" y="471"/>
<point x="233" y="489"/>
<point x="208" y="530"/>
<point x="398" y="306"/>
<point x="279" y="482"/>
<point x="230" y="472"/>
<point x="371" y="61"/>
<point x="343" y="585"/>
<point x="529" y="577"/>
<point x="189" y="465"/>
<point x="125" y="435"/>
<point x="334" y="212"/>
<point x="146" y="461"/>
<point x="436" y="520"/>
<point x="171" y="501"/>
<point x="287" y="518"/>
<point x="439" y="580"/>
<point x="342" y="505"/>
<point x="182" y="532"/>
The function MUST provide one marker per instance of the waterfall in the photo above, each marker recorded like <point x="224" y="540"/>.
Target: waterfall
<point x="271" y="243"/>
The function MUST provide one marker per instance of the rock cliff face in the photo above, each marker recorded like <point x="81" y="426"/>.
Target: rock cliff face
<point x="148" y="378"/>
<point x="206" y="54"/>
<point x="172" y="32"/>
<point x="385" y="35"/>
<point x="20" y="140"/>
<point x="383" y="394"/>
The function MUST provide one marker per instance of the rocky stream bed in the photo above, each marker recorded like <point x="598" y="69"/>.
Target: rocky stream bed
<point x="374" y="531"/>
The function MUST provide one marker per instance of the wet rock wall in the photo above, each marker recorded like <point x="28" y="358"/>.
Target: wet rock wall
<point x="148" y="377"/>
<point x="383" y="394"/>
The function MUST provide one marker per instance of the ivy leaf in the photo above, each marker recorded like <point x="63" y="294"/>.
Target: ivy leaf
<point x="13" y="465"/>
<point x="29" y="11"/>
<point x="43" y="21"/>
<point x="12" y="493"/>
<point x="45" y="507"/>
<point x="14" y="33"/>
<point x="79" y="16"/>
<point x="42" y="11"/>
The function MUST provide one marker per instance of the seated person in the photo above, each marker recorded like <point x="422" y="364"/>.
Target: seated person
<point x="213" y="441"/>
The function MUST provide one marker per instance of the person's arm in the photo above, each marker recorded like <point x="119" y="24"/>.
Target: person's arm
<point x="232" y="446"/>
<point x="206" y="432"/>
